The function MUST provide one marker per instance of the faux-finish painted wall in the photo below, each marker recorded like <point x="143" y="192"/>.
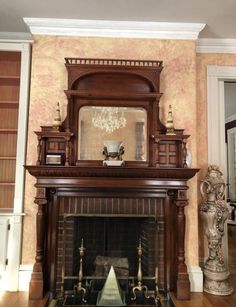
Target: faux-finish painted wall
<point x="49" y="80"/>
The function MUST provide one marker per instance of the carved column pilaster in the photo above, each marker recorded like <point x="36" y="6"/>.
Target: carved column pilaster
<point x="183" y="283"/>
<point x="67" y="151"/>
<point x="39" y="150"/>
<point x="37" y="278"/>
<point x="152" y="152"/>
<point x="156" y="149"/>
<point x="185" y="153"/>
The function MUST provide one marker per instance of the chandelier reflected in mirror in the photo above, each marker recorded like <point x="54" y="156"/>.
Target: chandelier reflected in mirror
<point x="109" y="119"/>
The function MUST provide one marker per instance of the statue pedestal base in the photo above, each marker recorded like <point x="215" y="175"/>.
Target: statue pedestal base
<point x="113" y="163"/>
<point x="217" y="283"/>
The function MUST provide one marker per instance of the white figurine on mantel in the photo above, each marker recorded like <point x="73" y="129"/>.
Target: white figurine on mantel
<point x="57" y="120"/>
<point x="214" y="213"/>
<point x="113" y="151"/>
<point x="170" y="129"/>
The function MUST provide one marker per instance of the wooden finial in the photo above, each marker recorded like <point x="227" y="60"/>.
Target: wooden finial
<point x="57" y="120"/>
<point x="170" y="130"/>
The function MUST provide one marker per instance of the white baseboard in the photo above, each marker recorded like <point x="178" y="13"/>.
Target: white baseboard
<point x="3" y="281"/>
<point x="24" y="277"/>
<point x="196" y="278"/>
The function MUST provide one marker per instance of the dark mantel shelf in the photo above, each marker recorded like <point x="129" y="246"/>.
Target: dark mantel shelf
<point x="68" y="176"/>
<point x="169" y="184"/>
<point x="111" y="171"/>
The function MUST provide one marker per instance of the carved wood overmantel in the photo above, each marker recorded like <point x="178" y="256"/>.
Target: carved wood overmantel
<point x="62" y="171"/>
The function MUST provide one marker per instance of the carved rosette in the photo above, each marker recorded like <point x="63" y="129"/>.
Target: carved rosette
<point x="214" y="213"/>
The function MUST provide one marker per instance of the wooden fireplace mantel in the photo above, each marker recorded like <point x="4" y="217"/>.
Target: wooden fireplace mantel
<point x="54" y="173"/>
<point x="107" y="181"/>
<point x="62" y="171"/>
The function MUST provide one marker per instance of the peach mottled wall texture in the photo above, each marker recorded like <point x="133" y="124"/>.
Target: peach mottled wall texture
<point x="49" y="80"/>
<point x="204" y="60"/>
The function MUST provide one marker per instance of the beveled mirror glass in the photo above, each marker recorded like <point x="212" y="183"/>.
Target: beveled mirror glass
<point x="98" y="124"/>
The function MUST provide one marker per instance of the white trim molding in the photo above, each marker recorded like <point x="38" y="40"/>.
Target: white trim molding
<point x="211" y="45"/>
<point x="111" y="28"/>
<point x="15" y="37"/>
<point x="196" y="278"/>
<point x="216" y="75"/>
<point x="231" y="144"/>
<point x="25" y="272"/>
<point x="22" y="126"/>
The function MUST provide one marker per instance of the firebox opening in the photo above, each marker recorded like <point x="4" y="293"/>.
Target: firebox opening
<point x="109" y="240"/>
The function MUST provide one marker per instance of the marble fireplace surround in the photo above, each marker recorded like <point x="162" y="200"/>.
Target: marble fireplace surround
<point x="167" y="186"/>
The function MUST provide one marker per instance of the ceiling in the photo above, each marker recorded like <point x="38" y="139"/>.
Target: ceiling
<point x="218" y="15"/>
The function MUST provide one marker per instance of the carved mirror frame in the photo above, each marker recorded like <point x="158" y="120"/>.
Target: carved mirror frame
<point x="113" y="83"/>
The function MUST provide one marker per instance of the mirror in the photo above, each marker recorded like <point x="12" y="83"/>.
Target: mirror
<point x="98" y="124"/>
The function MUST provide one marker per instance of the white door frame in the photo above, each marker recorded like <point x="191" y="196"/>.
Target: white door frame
<point x="231" y="135"/>
<point x="216" y="75"/>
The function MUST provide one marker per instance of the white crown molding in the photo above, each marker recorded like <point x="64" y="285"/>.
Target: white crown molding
<point x="110" y="28"/>
<point x="15" y="37"/>
<point x="207" y="45"/>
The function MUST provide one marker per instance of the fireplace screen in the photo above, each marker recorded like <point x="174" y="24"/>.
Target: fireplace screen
<point x="108" y="241"/>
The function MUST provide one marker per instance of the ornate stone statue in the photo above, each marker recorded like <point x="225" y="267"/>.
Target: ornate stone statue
<point x="214" y="212"/>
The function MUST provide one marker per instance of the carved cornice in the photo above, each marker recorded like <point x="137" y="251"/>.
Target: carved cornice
<point x="114" y="62"/>
<point x="114" y="96"/>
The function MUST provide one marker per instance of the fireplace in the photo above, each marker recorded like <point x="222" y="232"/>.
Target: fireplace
<point x="124" y="212"/>
<point x="111" y="229"/>
<point x="107" y="238"/>
<point x="150" y="210"/>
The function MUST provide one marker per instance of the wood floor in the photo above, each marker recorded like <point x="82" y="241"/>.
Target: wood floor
<point x="20" y="299"/>
<point x="209" y="300"/>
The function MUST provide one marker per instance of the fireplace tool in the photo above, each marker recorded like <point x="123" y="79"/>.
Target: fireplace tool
<point x="142" y="288"/>
<point x="157" y="297"/>
<point x="79" y="288"/>
<point x="139" y="286"/>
